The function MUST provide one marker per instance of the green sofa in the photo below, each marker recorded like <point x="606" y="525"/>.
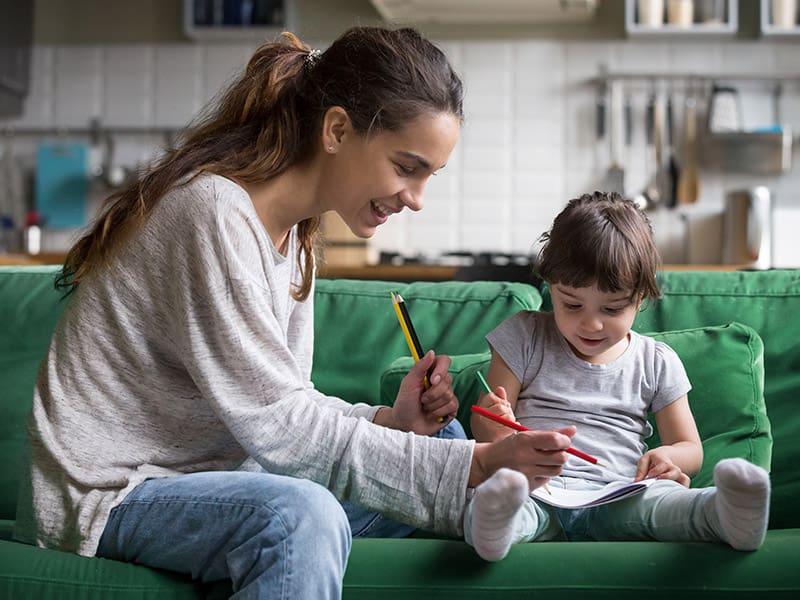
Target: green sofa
<point x="733" y="329"/>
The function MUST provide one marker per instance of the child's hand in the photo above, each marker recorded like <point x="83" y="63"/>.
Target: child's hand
<point x="496" y="402"/>
<point x="656" y="464"/>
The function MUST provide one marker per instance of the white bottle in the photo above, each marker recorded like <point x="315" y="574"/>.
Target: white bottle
<point x="680" y="13"/>
<point x="33" y="233"/>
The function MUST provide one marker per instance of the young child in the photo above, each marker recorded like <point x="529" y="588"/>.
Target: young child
<point x="583" y="366"/>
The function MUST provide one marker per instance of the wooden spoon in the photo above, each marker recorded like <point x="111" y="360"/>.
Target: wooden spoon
<point x="689" y="179"/>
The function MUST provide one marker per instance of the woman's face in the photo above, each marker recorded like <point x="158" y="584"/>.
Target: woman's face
<point x="378" y="176"/>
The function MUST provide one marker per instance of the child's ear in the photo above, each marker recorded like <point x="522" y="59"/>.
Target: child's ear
<point x="642" y="302"/>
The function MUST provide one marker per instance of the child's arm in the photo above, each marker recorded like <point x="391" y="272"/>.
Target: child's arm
<point x="681" y="452"/>
<point x="501" y="402"/>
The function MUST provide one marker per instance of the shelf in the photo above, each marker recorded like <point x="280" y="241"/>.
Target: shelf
<point x="227" y="20"/>
<point x="768" y="27"/>
<point x="727" y="26"/>
<point x="758" y="153"/>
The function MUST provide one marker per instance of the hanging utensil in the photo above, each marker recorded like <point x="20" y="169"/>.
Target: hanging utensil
<point x="601" y="111"/>
<point x="615" y="175"/>
<point x="673" y="170"/>
<point x="689" y="180"/>
<point x="628" y="114"/>
<point x="649" y="197"/>
<point x="659" y="125"/>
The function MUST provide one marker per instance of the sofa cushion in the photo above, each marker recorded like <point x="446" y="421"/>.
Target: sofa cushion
<point x="357" y="334"/>
<point x="447" y="569"/>
<point x="30" y="307"/>
<point x="31" y="572"/>
<point x="767" y="301"/>
<point x="725" y="365"/>
<point x="729" y="409"/>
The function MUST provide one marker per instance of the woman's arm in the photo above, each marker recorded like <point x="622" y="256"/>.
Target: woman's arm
<point x="681" y="452"/>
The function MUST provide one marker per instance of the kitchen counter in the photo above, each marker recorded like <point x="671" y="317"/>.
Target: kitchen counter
<point x="406" y="272"/>
<point x="44" y="258"/>
<point x="419" y="272"/>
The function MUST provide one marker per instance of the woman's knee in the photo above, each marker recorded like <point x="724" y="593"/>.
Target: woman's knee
<point x="308" y="509"/>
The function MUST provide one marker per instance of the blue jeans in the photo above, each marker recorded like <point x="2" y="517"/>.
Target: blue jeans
<point x="258" y="529"/>
<point x="273" y="536"/>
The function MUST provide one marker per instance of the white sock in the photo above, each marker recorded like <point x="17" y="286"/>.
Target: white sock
<point x="742" y="502"/>
<point x="494" y="506"/>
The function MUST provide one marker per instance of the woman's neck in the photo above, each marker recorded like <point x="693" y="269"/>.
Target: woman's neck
<point x="284" y="201"/>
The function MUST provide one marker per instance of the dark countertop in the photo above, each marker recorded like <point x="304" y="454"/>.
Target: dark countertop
<point x="407" y="272"/>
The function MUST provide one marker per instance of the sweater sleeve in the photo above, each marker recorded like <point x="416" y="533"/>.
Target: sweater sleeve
<point x="231" y="328"/>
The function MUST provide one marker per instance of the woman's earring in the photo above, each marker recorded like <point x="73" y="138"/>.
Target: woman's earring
<point x="331" y="148"/>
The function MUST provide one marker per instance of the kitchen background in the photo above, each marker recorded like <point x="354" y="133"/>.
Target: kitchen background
<point x="113" y="80"/>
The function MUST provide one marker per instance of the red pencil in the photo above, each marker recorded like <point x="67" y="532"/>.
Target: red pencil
<point x="498" y="419"/>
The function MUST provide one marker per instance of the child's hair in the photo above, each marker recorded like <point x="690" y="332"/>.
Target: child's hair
<point x="270" y="118"/>
<point x="601" y="239"/>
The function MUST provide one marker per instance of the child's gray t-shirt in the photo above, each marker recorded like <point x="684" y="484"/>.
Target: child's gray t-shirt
<point x="608" y="403"/>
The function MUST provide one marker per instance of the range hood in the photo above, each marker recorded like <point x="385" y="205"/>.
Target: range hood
<point x="486" y="11"/>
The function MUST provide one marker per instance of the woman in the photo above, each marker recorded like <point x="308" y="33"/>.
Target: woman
<point x="174" y="423"/>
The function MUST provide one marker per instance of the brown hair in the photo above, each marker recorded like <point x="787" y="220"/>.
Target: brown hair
<point x="270" y="118"/>
<point x="601" y="239"/>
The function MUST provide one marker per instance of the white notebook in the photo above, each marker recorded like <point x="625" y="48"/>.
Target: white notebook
<point x="616" y="490"/>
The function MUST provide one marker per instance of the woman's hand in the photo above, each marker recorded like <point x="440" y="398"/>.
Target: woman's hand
<point x="425" y="411"/>
<point x="539" y="455"/>
<point x="657" y="464"/>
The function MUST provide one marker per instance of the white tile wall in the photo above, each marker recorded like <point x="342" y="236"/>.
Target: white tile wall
<point x="127" y="68"/>
<point x="528" y="142"/>
<point x="78" y="87"/>
<point x="178" y="90"/>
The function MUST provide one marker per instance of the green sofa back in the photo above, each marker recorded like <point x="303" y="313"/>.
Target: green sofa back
<point x="768" y="302"/>
<point x="357" y="329"/>
<point x="30" y="307"/>
<point x="357" y="336"/>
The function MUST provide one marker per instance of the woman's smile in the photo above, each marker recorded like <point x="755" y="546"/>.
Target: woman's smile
<point x="381" y="211"/>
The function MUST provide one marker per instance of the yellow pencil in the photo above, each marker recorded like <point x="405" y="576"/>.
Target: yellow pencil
<point x="408" y="332"/>
<point x="404" y="327"/>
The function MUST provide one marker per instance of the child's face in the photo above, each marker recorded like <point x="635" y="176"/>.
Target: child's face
<point x="594" y="323"/>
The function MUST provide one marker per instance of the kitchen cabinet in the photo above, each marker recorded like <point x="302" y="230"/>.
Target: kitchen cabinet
<point x="221" y="20"/>
<point x="681" y="18"/>
<point x="780" y="18"/>
<point x="16" y="32"/>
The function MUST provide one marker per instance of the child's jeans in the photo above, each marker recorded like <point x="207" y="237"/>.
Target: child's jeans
<point x="664" y="511"/>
